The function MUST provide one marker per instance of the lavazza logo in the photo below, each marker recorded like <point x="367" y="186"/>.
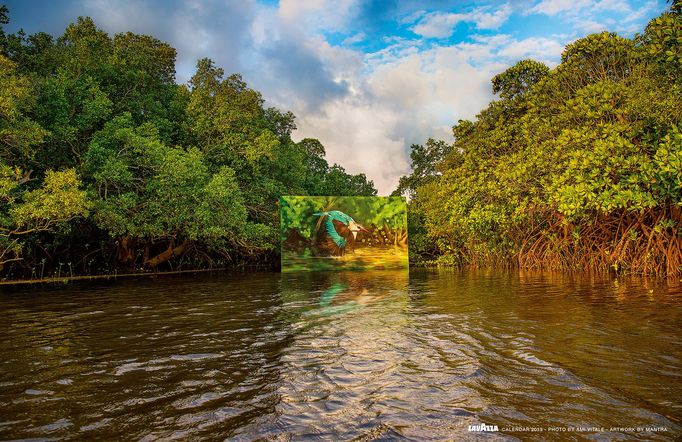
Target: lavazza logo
<point x="483" y="427"/>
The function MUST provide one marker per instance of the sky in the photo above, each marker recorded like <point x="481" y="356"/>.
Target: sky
<point x="366" y="78"/>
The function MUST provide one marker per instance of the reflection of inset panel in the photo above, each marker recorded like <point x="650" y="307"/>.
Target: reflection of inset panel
<point x="344" y="232"/>
<point x="315" y="294"/>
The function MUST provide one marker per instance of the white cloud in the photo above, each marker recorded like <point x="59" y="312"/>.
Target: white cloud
<point x="592" y="26"/>
<point x="396" y="49"/>
<point x="587" y="8"/>
<point x="357" y="134"/>
<point x="413" y="17"/>
<point x="537" y="48"/>
<point x="265" y="26"/>
<point x="315" y="15"/>
<point x="643" y="11"/>
<point x="119" y="18"/>
<point x="612" y="5"/>
<point x="491" y="20"/>
<point x="442" y="25"/>
<point x="197" y="29"/>
<point x="592" y="16"/>
<point x="400" y="101"/>
<point x="356" y="38"/>
<point x="405" y="93"/>
<point x="438" y="25"/>
<point x="553" y="7"/>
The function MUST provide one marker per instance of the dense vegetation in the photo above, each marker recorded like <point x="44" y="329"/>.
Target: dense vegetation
<point x="576" y="167"/>
<point x="107" y="164"/>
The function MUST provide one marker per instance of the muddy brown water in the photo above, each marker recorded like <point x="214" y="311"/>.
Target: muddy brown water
<point x="378" y="355"/>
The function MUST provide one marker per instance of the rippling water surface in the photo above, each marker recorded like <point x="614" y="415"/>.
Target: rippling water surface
<point x="364" y="356"/>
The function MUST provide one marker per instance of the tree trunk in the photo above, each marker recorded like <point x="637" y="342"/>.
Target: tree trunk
<point x="126" y="249"/>
<point x="168" y="254"/>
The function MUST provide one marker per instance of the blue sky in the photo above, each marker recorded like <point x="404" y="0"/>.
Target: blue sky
<point x="367" y="78"/>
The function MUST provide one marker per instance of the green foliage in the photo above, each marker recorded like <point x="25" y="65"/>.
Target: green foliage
<point x="662" y="40"/>
<point x="57" y="201"/>
<point x="337" y="182"/>
<point x="146" y="189"/>
<point x="71" y="109"/>
<point x="425" y="160"/>
<point x="517" y="80"/>
<point x="9" y="180"/>
<point x="226" y="117"/>
<point x="297" y="212"/>
<point x="172" y="173"/>
<point x="23" y="212"/>
<point x="18" y="133"/>
<point x="598" y="137"/>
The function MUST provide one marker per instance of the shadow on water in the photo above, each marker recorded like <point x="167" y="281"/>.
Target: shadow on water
<point x="343" y="355"/>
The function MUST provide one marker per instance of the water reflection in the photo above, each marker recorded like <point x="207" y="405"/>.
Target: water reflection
<point x="141" y="359"/>
<point x="566" y="350"/>
<point x="347" y="355"/>
<point x="330" y="293"/>
<point x="361" y="365"/>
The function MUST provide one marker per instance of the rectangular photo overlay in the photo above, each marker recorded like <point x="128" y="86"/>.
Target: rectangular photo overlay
<point x="343" y="232"/>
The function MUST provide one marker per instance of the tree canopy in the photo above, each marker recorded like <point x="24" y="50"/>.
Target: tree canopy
<point x="107" y="163"/>
<point x="576" y="167"/>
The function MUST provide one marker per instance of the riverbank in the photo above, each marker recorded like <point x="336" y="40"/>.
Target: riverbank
<point x="426" y="266"/>
<point x="69" y="279"/>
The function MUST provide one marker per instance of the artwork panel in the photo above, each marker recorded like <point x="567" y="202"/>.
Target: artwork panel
<point x="343" y="233"/>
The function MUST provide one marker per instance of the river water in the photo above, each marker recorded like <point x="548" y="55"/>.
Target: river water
<point x="339" y="356"/>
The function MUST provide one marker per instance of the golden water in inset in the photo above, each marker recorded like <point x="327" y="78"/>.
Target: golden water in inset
<point x="353" y="355"/>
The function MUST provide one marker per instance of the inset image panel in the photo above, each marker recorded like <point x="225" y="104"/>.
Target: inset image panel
<point x="343" y="232"/>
